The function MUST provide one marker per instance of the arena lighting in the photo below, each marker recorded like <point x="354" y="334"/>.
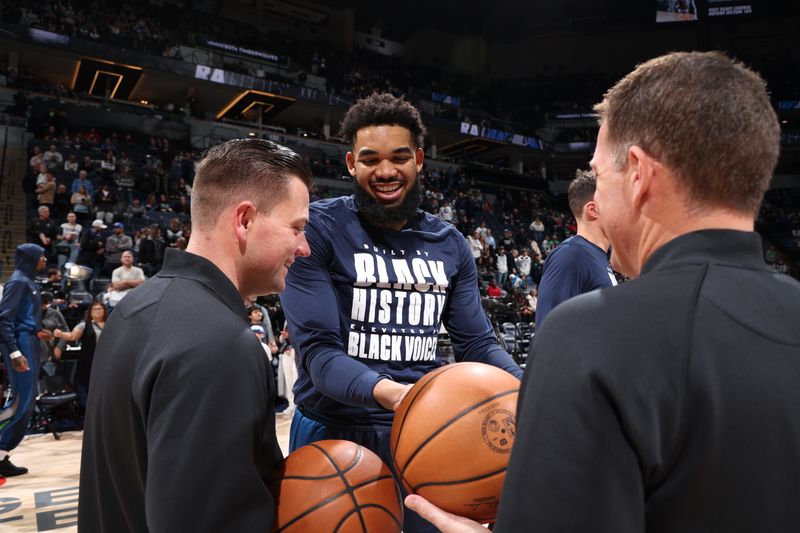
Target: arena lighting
<point x="469" y="146"/>
<point x="271" y="104"/>
<point x="99" y="77"/>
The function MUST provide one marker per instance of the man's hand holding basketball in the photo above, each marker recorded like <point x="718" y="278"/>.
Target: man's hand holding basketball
<point x="446" y="522"/>
<point x="389" y="393"/>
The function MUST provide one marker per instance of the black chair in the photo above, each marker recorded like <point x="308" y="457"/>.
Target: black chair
<point x="57" y="403"/>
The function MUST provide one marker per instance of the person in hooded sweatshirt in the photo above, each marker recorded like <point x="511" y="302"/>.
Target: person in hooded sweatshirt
<point x="20" y="329"/>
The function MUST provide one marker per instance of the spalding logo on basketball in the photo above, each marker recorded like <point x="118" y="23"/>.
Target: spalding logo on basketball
<point x="452" y="437"/>
<point x="498" y="430"/>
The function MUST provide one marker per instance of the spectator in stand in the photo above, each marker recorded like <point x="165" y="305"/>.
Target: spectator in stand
<point x="163" y="205"/>
<point x="116" y="244"/>
<point x="43" y="231"/>
<point x="174" y="231"/>
<point x="36" y="159"/>
<point x="446" y="212"/>
<point x="71" y="165"/>
<point x="69" y="240"/>
<point x="124" y="279"/>
<point x="41" y="174"/>
<point x="184" y="188"/>
<point x="45" y="193"/>
<point x="257" y="317"/>
<point x="95" y="317"/>
<point x="88" y="167"/>
<point x="61" y="205"/>
<point x="493" y="290"/>
<point x="92" y="249"/>
<point x="580" y="263"/>
<point x="261" y="335"/>
<point x="475" y="244"/>
<point x="81" y="202"/>
<point x="150" y="203"/>
<point x="135" y="209"/>
<point x="53" y="158"/>
<point x="523" y="266"/>
<point x="182" y="206"/>
<point x="151" y="250"/>
<point x="527" y="313"/>
<point x="92" y="137"/>
<point x="125" y="183"/>
<point x="52" y="319"/>
<point x="108" y="166"/>
<point x="537" y="227"/>
<point x="507" y="241"/>
<point x="125" y="162"/>
<point x="105" y="200"/>
<point x="491" y="244"/>
<point x="501" y="266"/>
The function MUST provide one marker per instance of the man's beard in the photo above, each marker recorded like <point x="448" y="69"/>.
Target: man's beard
<point x="380" y="215"/>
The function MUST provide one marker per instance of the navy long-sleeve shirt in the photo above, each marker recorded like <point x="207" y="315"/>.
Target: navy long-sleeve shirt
<point x="575" y="266"/>
<point x="369" y="303"/>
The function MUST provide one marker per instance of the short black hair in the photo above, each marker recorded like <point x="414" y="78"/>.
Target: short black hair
<point x="382" y="109"/>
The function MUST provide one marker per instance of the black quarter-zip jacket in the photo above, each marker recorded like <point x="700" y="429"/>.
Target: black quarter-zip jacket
<point x="180" y="424"/>
<point x="668" y="404"/>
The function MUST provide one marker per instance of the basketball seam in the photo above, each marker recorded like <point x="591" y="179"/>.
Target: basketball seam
<point x="365" y="506"/>
<point x="328" y="476"/>
<point x="414" y="399"/>
<point x="333" y="497"/>
<point x="456" y="481"/>
<point x="348" y="488"/>
<point x="450" y="423"/>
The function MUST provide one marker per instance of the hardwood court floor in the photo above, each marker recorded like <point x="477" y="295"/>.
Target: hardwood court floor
<point x="46" y="498"/>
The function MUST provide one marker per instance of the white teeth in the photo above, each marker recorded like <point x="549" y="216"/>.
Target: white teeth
<point x="389" y="187"/>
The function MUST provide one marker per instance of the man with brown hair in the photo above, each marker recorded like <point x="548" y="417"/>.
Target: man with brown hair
<point x="580" y="263"/>
<point x="670" y="403"/>
<point x="181" y="408"/>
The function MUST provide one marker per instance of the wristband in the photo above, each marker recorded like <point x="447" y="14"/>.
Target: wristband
<point x="15" y="354"/>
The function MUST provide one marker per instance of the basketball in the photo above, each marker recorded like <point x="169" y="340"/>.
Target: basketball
<point x="452" y="436"/>
<point x="335" y="485"/>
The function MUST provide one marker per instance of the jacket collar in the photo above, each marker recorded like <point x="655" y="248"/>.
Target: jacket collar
<point x="720" y="246"/>
<point x="181" y="264"/>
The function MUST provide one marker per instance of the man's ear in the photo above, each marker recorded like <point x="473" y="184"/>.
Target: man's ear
<point x="640" y="173"/>
<point x="244" y="217"/>
<point x="350" y="160"/>
<point x="590" y="211"/>
<point x="419" y="158"/>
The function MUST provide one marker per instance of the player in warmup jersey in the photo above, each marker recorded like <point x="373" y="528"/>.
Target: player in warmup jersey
<point x="365" y="309"/>
<point x="580" y="263"/>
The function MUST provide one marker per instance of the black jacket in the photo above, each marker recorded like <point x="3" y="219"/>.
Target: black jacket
<point x="668" y="404"/>
<point x="180" y="424"/>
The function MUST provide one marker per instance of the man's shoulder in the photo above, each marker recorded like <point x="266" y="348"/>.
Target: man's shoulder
<point x="570" y="250"/>
<point x="182" y="300"/>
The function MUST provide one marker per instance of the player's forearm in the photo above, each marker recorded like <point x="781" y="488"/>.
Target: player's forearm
<point x="340" y="377"/>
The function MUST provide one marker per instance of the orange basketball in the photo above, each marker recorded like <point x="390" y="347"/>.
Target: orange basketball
<point x="452" y="437"/>
<point x="335" y="485"/>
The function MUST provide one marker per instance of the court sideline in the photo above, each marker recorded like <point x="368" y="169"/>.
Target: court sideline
<point x="46" y="499"/>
